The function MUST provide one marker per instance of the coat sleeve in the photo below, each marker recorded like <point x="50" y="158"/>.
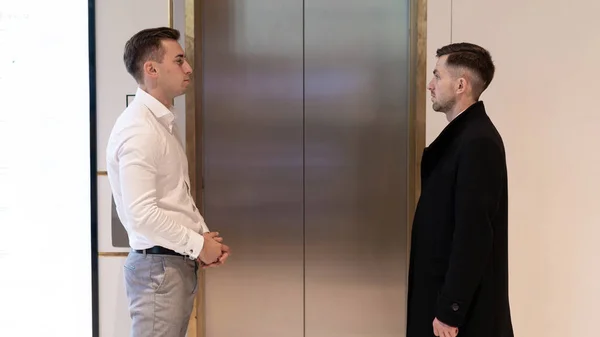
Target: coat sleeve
<point x="479" y="182"/>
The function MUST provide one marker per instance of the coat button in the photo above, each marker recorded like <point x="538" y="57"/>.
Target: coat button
<point x="455" y="307"/>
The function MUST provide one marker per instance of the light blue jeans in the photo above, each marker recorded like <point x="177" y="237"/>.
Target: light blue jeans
<point x="161" y="291"/>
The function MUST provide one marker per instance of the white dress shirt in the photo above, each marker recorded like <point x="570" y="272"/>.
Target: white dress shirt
<point x="148" y="174"/>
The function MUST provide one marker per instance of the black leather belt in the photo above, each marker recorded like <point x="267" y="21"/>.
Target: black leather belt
<point x="157" y="250"/>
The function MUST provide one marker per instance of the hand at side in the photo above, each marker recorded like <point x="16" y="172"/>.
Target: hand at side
<point x="443" y="330"/>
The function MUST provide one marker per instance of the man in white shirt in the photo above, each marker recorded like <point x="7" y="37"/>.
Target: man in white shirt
<point x="148" y="173"/>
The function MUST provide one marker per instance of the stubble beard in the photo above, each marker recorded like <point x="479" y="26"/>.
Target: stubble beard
<point x="443" y="106"/>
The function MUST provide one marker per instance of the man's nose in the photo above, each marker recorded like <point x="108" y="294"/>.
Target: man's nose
<point x="187" y="68"/>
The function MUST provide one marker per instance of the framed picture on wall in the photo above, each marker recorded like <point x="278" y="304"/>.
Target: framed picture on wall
<point x="119" y="237"/>
<point x="128" y="99"/>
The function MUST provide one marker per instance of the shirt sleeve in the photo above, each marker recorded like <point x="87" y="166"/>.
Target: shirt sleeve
<point x="139" y="156"/>
<point x="203" y="225"/>
<point x="479" y="183"/>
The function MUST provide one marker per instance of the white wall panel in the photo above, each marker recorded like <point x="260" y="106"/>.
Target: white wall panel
<point x="116" y="22"/>
<point x="114" y="314"/>
<point x="45" y="213"/>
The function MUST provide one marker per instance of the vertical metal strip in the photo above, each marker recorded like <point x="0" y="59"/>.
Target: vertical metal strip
<point x="93" y="168"/>
<point x="170" y="13"/>
<point x="303" y="168"/>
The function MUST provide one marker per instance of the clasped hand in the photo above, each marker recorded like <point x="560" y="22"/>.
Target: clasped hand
<point x="214" y="253"/>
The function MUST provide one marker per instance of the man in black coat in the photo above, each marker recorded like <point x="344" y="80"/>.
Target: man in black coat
<point x="458" y="279"/>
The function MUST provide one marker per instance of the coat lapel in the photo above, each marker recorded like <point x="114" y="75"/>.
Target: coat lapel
<point x="440" y="146"/>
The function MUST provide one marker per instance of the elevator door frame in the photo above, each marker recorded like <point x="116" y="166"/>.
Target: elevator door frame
<point x="193" y="117"/>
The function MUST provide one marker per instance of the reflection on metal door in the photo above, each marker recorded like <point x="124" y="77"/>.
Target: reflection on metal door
<point x="305" y="157"/>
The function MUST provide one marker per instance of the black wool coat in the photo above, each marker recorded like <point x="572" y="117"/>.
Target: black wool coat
<point x="459" y="245"/>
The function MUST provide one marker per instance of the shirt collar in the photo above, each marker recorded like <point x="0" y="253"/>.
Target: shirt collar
<point x="164" y="115"/>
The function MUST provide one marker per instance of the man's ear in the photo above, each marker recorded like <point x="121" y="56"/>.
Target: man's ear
<point x="461" y="86"/>
<point x="150" y="69"/>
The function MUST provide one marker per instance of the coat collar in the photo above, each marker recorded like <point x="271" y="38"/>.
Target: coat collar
<point x="455" y="127"/>
<point x="436" y="150"/>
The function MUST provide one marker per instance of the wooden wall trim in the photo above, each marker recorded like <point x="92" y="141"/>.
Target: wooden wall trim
<point x="418" y="74"/>
<point x="113" y="254"/>
<point x="193" y="138"/>
<point x="193" y="113"/>
<point x="170" y="13"/>
<point x="417" y="110"/>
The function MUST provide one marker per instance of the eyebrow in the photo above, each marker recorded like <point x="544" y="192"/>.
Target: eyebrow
<point x="180" y="56"/>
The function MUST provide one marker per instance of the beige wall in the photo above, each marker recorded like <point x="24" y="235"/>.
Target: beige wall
<point x="544" y="102"/>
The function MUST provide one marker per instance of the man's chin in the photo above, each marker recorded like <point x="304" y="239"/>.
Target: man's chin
<point x="183" y="91"/>
<point x="439" y="108"/>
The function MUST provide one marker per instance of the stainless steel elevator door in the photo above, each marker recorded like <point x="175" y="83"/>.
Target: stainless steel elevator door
<point x="252" y="117"/>
<point x="305" y="149"/>
<point x="356" y="167"/>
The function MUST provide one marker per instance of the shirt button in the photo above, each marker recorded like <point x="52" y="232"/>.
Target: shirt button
<point x="455" y="307"/>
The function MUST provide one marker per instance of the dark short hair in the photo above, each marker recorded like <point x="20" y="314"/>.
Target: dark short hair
<point x="472" y="57"/>
<point x="146" y="45"/>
